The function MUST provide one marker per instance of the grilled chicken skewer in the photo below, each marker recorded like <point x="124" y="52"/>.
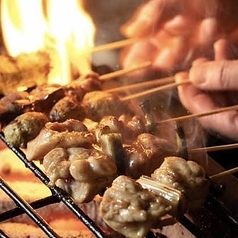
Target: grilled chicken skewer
<point x="78" y="100"/>
<point x="133" y="207"/>
<point x="60" y="145"/>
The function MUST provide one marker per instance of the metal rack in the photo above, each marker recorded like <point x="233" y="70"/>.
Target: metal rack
<point x="58" y="195"/>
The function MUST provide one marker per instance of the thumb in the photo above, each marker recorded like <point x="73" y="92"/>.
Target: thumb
<point x="215" y="75"/>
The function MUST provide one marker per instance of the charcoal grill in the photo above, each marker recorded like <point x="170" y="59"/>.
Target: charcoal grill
<point x="214" y="201"/>
<point x="58" y="195"/>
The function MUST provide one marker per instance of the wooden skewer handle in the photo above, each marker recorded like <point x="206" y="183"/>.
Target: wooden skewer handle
<point x="124" y="71"/>
<point x="114" y="45"/>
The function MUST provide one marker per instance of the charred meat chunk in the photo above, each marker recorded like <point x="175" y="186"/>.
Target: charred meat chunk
<point x="79" y="87"/>
<point x="24" y="128"/>
<point x="44" y="97"/>
<point x="12" y="105"/>
<point x="40" y="99"/>
<point x="185" y="176"/>
<point x="133" y="126"/>
<point x="131" y="210"/>
<point x="81" y="172"/>
<point x="67" y="108"/>
<point x="146" y="154"/>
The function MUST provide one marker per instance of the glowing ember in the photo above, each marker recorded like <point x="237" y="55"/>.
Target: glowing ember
<point x="61" y="28"/>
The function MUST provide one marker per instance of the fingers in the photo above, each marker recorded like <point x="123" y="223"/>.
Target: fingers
<point x="207" y="32"/>
<point x="138" y="53"/>
<point x="221" y="49"/>
<point x="215" y="75"/>
<point x="220" y="74"/>
<point x="144" y="20"/>
<point x="225" y="50"/>
<point x="179" y="25"/>
<point x="198" y="101"/>
<point x="149" y="17"/>
<point x="173" y="55"/>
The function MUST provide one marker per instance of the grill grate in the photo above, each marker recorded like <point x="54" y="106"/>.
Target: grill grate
<point x="59" y="195"/>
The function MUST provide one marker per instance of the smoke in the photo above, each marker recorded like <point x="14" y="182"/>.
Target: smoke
<point x="109" y="16"/>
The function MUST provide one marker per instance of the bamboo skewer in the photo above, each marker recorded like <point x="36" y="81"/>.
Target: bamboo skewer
<point x="218" y="148"/>
<point x="225" y="173"/>
<point x="153" y="90"/>
<point x="124" y="71"/>
<point x="219" y="110"/>
<point x="154" y="82"/>
<point x="214" y="148"/>
<point x="114" y="45"/>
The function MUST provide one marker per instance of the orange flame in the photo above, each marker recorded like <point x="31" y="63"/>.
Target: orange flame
<point x="62" y="28"/>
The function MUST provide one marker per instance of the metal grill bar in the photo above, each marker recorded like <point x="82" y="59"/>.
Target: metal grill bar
<point x="28" y="209"/>
<point x="191" y="227"/>
<point x="59" y="195"/>
<point x="2" y="235"/>
<point x="57" y="192"/>
<point x="218" y="207"/>
<point x="37" y="204"/>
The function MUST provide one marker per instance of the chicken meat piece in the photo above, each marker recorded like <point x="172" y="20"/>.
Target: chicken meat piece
<point x="133" y="126"/>
<point x="41" y="99"/>
<point x="71" y="133"/>
<point x="98" y="104"/>
<point x="131" y="210"/>
<point x="12" y="105"/>
<point x="85" y="83"/>
<point x="185" y="176"/>
<point x="128" y="126"/>
<point x="146" y="154"/>
<point x="81" y="172"/>
<point x="24" y="128"/>
<point x="44" y="97"/>
<point x="112" y="123"/>
<point x="67" y="108"/>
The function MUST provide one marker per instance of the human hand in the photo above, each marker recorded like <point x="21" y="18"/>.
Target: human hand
<point x="172" y="33"/>
<point x="214" y="84"/>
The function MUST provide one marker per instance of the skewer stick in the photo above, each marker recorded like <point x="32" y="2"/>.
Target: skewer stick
<point x="153" y="90"/>
<point x="225" y="173"/>
<point x="114" y="45"/>
<point x="124" y="71"/>
<point x="219" y="110"/>
<point x="214" y="148"/>
<point x="153" y="82"/>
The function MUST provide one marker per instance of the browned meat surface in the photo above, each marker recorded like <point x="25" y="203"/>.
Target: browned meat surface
<point x="131" y="210"/>
<point x="98" y="104"/>
<point x="67" y="108"/>
<point x="12" y="105"/>
<point x="71" y="133"/>
<point x="82" y="85"/>
<point x="112" y="122"/>
<point x="40" y="99"/>
<point x="132" y="127"/>
<point x="129" y="126"/>
<point x="45" y="96"/>
<point x="146" y="154"/>
<point x="24" y="128"/>
<point x="81" y="172"/>
<point x="186" y="176"/>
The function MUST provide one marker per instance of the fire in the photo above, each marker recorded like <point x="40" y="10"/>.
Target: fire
<point x="61" y="28"/>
